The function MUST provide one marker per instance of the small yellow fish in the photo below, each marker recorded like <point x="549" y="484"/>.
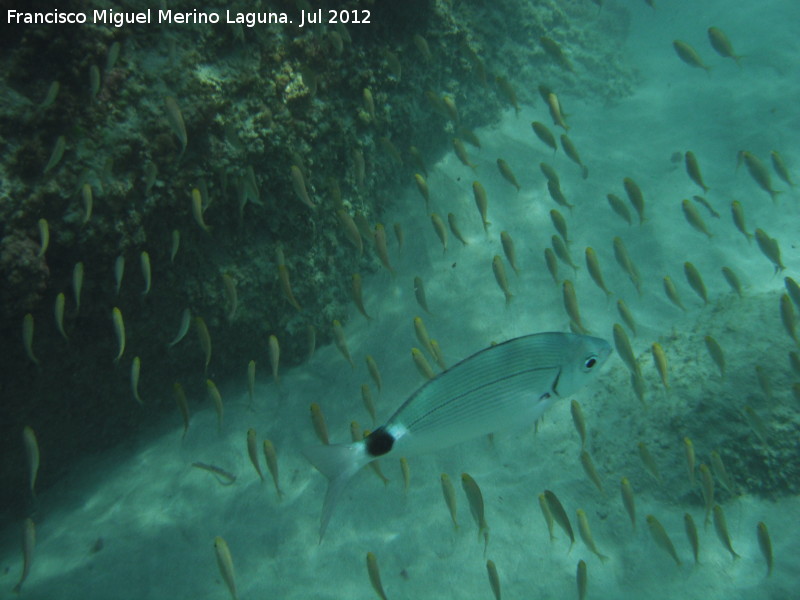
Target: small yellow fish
<point x="508" y="248"/>
<point x="756" y="424"/>
<point x="688" y="450"/>
<point x="274" y="356"/>
<point x="695" y="281"/>
<point x="707" y="489"/>
<point x="381" y="247"/>
<point x="422" y="335"/>
<point x="144" y="262"/>
<point x="481" y="202"/>
<point x="553" y="187"/>
<point x="366" y="398"/>
<point x="176" y="244"/>
<point x="119" y="271"/>
<point x="720" y="42"/>
<point x="494" y="578"/>
<point x="508" y="92"/>
<point x="556" y="113"/>
<point x="619" y="207"/>
<point x="626" y="315"/>
<point x="358" y="298"/>
<point x="422" y="186"/>
<point x="716" y="353"/>
<point x="341" y="342"/>
<point x="350" y="230"/>
<point x="88" y="202"/>
<point x="780" y="167"/>
<point x="175" y="120"/>
<point x="578" y="421"/>
<point x="548" y="516"/>
<point x="449" y="493"/>
<point x="586" y="535"/>
<point x="500" y="276"/>
<point x="272" y="464"/>
<point x="422" y="364"/>
<point x="27" y="338"/>
<point x="636" y="197"/>
<point x="216" y="398"/>
<point x="550" y="174"/>
<point x="119" y="330"/>
<point x="769" y="247"/>
<point x="693" y="169"/>
<point x="231" y="295"/>
<point x="551" y="261"/>
<point x="624" y="260"/>
<point x="374" y="372"/>
<point x="372" y="561"/>
<point x="721" y="527"/>
<point x="759" y="173"/>
<point x="406" y="473"/>
<point x="691" y="534"/>
<point x="591" y="471"/>
<point x="648" y="461"/>
<point x="205" y="340"/>
<point x="225" y="564"/>
<point x="787" y="317"/>
<point x="562" y="251"/>
<point x="451" y="220"/>
<point x="28" y="546"/>
<point x="544" y="134"/>
<point x="57" y="154"/>
<point x="560" y="223"/>
<point x="286" y="286"/>
<point x="693" y="218"/>
<point x="58" y="312"/>
<point x="721" y="473"/>
<point x="32" y="455"/>
<point x="660" y="361"/>
<point x="572" y="153"/>
<point x="369" y="104"/>
<point x="398" y="234"/>
<point x="571" y="303"/>
<point x="582" y="578"/>
<point x="627" y="500"/>
<point x="552" y="48"/>
<point x="299" y="186"/>
<point x="661" y="538"/>
<point x="507" y="173"/>
<point x="623" y="345"/>
<point x="44" y="237"/>
<point x="252" y="451"/>
<point x="765" y="544"/>
<point x="461" y="153"/>
<point x="672" y="292"/>
<point x="560" y="515"/>
<point x="738" y="219"/>
<point x="732" y="280"/>
<point x="318" y="420"/>
<point x="136" y="368"/>
<point x="689" y="55"/>
<point x="77" y="285"/>
<point x="197" y="210"/>
<point x="440" y="229"/>
<point x="593" y="266"/>
<point x="475" y="498"/>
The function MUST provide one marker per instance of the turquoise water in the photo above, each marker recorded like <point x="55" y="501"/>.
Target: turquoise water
<point x="157" y="516"/>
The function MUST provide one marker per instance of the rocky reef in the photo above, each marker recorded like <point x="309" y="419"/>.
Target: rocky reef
<point x="224" y="152"/>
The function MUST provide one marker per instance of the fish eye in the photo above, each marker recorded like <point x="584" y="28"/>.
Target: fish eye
<point x="589" y="363"/>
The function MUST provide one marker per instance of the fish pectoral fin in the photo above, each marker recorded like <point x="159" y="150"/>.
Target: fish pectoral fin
<point x="554" y="387"/>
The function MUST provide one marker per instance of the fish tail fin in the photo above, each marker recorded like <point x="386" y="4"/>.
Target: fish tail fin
<point x="338" y="462"/>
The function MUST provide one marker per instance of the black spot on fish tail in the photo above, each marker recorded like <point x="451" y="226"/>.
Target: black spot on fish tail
<point x="379" y="442"/>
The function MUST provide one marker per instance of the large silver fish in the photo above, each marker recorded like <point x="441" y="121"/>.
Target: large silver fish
<point x="512" y="383"/>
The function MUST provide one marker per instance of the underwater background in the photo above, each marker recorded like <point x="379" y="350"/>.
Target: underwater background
<point x="196" y="220"/>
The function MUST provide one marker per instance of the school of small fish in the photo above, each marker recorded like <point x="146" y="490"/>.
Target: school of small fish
<point x="453" y="232"/>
